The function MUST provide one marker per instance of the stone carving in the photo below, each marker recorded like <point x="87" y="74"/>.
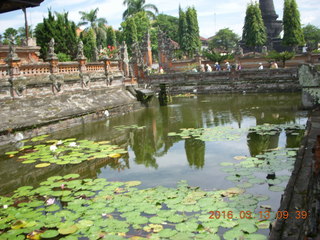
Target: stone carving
<point x="166" y="49"/>
<point x="80" y="54"/>
<point x="264" y="50"/>
<point x="239" y="50"/>
<point x="109" y="75"/>
<point x="95" y="54"/>
<point x="124" y="58"/>
<point x="51" y="53"/>
<point x="85" y="79"/>
<point x="57" y="82"/>
<point x="18" y="86"/>
<point x="137" y="55"/>
<point x="12" y="56"/>
<point x="165" y="45"/>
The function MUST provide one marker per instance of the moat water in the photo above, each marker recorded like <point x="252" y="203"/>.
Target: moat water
<point x="157" y="158"/>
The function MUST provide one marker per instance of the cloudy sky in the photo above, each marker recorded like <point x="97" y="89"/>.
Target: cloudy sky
<point x="212" y="15"/>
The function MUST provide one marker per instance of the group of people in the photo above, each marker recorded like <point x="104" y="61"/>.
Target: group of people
<point x="273" y="65"/>
<point x="217" y="67"/>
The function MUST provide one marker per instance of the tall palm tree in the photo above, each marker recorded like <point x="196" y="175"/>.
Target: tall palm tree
<point x="97" y="24"/>
<point x="135" y="6"/>
<point x="91" y="18"/>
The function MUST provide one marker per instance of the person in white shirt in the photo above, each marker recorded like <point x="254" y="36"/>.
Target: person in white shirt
<point x="261" y="66"/>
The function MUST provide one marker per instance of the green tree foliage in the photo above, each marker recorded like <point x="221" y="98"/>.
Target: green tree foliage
<point x="217" y="57"/>
<point x="95" y="23"/>
<point x="142" y="23"/>
<point x="224" y="39"/>
<point x="312" y="36"/>
<point x="182" y="30"/>
<point x="89" y="43"/>
<point x="135" y="6"/>
<point x="168" y="24"/>
<point x="280" y="56"/>
<point x="111" y="37"/>
<point x="62" y="30"/>
<point x="292" y="31"/>
<point x="119" y="36"/>
<point x="189" y="38"/>
<point x="254" y="31"/>
<point x="194" y="42"/>
<point x="11" y="33"/>
<point x="129" y="32"/>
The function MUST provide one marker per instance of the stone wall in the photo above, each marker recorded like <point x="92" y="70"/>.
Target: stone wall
<point x="246" y="62"/>
<point x="31" y="116"/>
<point x="268" y="80"/>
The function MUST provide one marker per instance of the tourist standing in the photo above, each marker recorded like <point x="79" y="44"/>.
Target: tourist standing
<point x="209" y="69"/>
<point x="228" y="66"/>
<point x="217" y="65"/>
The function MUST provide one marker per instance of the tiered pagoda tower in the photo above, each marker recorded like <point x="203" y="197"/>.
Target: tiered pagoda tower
<point x="273" y="26"/>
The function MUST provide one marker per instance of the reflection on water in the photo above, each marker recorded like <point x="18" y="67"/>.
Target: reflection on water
<point x="158" y="159"/>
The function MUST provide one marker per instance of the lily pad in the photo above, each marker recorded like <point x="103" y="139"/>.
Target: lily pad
<point x="49" y="234"/>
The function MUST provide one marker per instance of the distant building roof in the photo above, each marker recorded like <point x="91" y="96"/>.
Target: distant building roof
<point x="11" y="5"/>
<point x="203" y="39"/>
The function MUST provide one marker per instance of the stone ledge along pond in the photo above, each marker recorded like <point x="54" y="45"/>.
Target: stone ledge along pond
<point x="203" y="167"/>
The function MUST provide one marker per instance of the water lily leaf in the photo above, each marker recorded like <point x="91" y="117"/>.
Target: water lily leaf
<point x="233" y="234"/>
<point x="167" y="233"/>
<point x="263" y="224"/>
<point x="41" y="165"/>
<point x="255" y="236"/>
<point x="245" y="185"/>
<point x="176" y="218"/>
<point x="65" y="230"/>
<point x="49" y="234"/>
<point x="18" y="224"/>
<point x="153" y="228"/>
<point x="276" y="188"/>
<point x="133" y="183"/>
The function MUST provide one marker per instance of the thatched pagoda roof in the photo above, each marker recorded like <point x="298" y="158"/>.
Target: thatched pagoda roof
<point x="11" y="5"/>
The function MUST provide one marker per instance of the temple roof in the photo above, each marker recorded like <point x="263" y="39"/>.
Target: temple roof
<point x="11" y="5"/>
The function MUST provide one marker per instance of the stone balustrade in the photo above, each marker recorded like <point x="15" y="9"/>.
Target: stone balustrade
<point x="34" y="69"/>
<point x="18" y="80"/>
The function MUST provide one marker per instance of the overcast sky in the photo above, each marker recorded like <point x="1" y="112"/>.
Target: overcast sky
<point x="212" y="15"/>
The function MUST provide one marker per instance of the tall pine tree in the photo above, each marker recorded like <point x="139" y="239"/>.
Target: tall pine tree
<point x="189" y="38"/>
<point x="254" y="31"/>
<point x="193" y="36"/>
<point x="129" y="32"/>
<point x="62" y="30"/>
<point x="293" y="34"/>
<point x="182" y="30"/>
<point x="89" y="43"/>
<point x="111" y="37"/>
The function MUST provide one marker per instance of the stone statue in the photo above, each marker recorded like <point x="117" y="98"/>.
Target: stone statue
<point x="264" y="50"/>
<point x="12" y="56"/>
<point x="95" y="54"/>
<point x="51" y="47"/>
<point x="80" y="51"/>
<point x="125" y="58"/>
<point x="239" y="50"/>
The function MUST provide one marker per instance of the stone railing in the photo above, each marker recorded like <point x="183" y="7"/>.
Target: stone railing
<point x="95" y="67"/>
<point x="68" y="67"/>
<point x="34" y="69"/>
<point x="46" y="78"/>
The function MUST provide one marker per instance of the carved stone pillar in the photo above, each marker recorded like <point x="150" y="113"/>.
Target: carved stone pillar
<point x="17" y="82"/>
<point x="82" y="60"/>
